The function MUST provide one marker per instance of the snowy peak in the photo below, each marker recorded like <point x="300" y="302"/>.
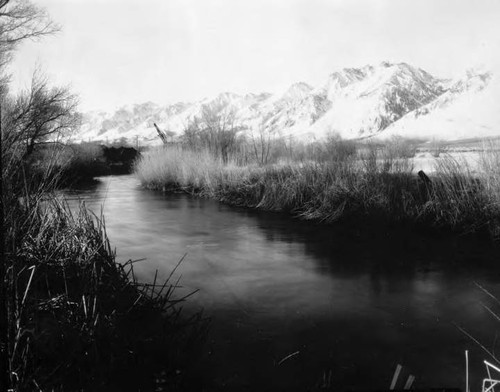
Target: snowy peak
<point x="468" y="108"/>
<point x="385" y="72"/>
<point x="373" y="100"/>
<point x="364" y="101"/>
<point x="297" y="91"/>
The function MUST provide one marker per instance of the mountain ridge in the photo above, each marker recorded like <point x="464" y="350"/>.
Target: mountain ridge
<point x="383" y="100"/>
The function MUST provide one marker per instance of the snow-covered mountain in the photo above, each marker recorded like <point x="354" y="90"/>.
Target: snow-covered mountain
<point x="373" y="101"/>
<point x="365" y="101"/>
<point x="469" y="108"/>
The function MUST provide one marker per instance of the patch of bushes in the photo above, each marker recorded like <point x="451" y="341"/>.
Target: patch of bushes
<point x="71" y="164"/>
<point x="82" y="162"/>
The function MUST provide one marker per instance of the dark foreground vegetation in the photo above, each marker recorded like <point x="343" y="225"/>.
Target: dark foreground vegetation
<point x="82" y="162"/>
<point x="78" y="320"/>
<point x="338" y="180"/>
<point x="71" y="317"/>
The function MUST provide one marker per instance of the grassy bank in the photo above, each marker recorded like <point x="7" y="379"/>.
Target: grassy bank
<point x="371" y="182"/>
<point x="75" y="318"/>
<point x="80" y="321"/>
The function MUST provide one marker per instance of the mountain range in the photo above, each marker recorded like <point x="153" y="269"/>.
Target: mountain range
<point x="383" y="100"/>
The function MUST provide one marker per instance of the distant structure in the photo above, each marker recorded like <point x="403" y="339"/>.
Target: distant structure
<point x="161" y="134"/>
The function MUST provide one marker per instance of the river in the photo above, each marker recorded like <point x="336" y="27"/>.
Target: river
<point x="297" y="305"/>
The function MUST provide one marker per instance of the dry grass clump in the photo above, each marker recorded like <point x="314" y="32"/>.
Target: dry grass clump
<point x="78" y="320"/>
<point x="458" y="198"/>
<point x="175" y="167"/>
<point x="489" y="166"/>
<point x="377" y="181"/>
<point x="74" y="318"/>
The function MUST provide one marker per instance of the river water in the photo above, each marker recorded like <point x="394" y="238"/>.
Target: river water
<point x="298" y="305"/>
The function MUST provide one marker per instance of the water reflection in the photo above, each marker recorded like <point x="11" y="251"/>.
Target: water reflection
<point x="350" y="301"/>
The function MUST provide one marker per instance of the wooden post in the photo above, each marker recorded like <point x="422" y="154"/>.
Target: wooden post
<point x="424" y="178"/>
<point x="409" y="382"/>
<point x="161" y="134"/>
<point x="395" y="377"/>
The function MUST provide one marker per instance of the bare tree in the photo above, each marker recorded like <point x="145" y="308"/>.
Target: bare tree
<point x="220" y="128"/>
<point x="262" y="139"/>
<point x="21" y="20"/>
<point x="215" y="129"/>
<point x="40" y="115"/>
<point x="288" y="141"/>
<point x="191" y="135"/>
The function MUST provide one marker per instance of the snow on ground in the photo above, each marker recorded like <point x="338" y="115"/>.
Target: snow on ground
<point x="428" y="163"/>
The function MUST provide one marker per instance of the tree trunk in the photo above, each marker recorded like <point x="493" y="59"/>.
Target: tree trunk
<point x="4" y="320"/>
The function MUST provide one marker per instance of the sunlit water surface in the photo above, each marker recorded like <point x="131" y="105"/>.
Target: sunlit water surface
<point x="348" y="304"/>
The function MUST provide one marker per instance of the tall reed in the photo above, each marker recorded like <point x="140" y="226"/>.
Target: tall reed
<point x="77" y="319"/>
<point x="377" y="181"/>
<point x="80" y="320"/>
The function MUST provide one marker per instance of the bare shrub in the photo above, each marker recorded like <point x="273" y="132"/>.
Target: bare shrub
<point x="262" y="139"/>
<point x="337" y="149"/>
<point x="216" y="130"/>
<point x="40" y="115"/>
<point x="399" y="147"/>
<point x="437" y="147"/>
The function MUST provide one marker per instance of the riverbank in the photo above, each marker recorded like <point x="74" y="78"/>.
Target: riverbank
<point x="75" y="318"/>
<point x="371" y="184"/>
<point x="73" y="164"/>
<point x="79" y="320"/>
<point x="273" y="285"/>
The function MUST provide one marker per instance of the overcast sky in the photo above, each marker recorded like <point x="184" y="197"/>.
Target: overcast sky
<point x="117" y="52"/>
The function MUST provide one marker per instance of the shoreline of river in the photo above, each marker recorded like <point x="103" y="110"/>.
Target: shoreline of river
<point x="77" y="319"/>
<point x="452" y="201"/>
<point x="274" y="285"/>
